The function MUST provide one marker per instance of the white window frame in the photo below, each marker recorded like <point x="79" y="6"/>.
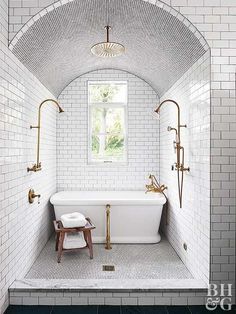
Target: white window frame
<point x="108" y="104"/>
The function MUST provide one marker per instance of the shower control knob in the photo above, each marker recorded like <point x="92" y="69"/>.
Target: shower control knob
<point x="32" y="196"/>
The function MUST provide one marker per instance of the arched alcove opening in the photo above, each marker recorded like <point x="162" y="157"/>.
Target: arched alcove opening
<point x="167" y="52"/>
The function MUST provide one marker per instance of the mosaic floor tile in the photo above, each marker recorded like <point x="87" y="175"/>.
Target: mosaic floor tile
<point x="131" y="261"/>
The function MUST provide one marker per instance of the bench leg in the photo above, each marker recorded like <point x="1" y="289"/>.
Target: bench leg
<point x="57" y="241"/>
<point x="60" y="246"/>
<point x="90" y="244"/>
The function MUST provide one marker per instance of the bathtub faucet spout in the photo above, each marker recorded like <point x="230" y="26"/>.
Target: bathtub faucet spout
<point x="154" y="186"/>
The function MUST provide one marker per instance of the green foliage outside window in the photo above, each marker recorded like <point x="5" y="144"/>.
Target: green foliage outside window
<point x="107" y="124"/>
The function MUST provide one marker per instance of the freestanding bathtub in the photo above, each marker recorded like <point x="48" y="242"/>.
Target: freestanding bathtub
<point x="135" y="216"/>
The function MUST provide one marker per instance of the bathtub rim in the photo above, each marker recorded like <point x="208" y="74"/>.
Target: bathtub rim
<point x="150" y="199"/>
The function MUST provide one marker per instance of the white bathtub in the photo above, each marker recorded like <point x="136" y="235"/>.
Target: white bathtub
<point x="135" y="216"/>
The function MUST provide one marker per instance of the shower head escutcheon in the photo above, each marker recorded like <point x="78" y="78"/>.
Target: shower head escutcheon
<point x="37" y="166"/>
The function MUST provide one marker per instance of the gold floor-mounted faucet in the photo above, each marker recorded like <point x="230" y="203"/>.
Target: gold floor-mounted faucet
<point x="154" y="186"/>
<point x="179" y="164"/>
<point x="108" y="227"/>
<point x="37" y="166"/>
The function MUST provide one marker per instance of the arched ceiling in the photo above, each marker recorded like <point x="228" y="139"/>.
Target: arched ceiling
<point x="159" y="46"/>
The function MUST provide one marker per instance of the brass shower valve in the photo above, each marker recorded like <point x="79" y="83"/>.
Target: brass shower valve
<point x="35" y="168"/>
<point x="32" y="196"/>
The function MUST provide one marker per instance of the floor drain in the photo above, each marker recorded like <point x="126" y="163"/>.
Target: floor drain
<point x="108" y="267"/>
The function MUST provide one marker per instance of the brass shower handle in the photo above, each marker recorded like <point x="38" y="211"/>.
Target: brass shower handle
<point x="34" y="127"/>
<point x="184" y="169"/>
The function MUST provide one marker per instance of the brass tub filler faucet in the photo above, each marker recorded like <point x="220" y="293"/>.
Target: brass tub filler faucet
<point x="179" y="164"/>
<point x="37" y="166"/>
<point x="154" y="186"/>
<point x="108" y="227"/>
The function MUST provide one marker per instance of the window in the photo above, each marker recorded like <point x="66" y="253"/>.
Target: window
<point x="107" y="103"/>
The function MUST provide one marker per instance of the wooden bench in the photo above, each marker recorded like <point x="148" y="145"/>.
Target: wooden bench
<point x="60" y="236"/>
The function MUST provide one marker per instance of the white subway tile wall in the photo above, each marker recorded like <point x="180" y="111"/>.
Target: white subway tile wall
<point x="24" y="228"/>
<point x="73" y="170"/>
<point x="191" y="223"/>
<point x="108" y="298"/>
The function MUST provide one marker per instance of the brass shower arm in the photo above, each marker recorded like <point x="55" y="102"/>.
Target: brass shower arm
<point x="178" y="112"/>
<point x="37" y="166"/>
<point x="39" y="110"/>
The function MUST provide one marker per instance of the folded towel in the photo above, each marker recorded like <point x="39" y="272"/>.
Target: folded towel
<point x="74" y="240"/>
<point x="73" y="220"/>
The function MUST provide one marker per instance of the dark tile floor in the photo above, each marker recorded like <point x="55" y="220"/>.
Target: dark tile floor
<point x="105" y="309"/>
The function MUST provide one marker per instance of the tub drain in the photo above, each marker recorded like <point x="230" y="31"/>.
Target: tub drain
<point x="108" y="267"/>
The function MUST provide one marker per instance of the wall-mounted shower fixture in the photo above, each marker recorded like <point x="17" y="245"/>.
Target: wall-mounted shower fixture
<point x="32" y="196"/>
<point x="179" y="149"/>
<point x="37" y="166"/>
<point x="154" y="186"/>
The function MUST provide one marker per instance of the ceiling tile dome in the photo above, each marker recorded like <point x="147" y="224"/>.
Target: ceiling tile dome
<point x="159" y="46"/>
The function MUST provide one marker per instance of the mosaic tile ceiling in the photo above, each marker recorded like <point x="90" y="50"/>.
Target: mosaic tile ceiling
<point x="159" y="47"/>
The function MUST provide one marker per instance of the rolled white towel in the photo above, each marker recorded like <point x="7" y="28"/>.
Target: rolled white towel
<point x="74" y="240"/>
<point x="73" y="220"/>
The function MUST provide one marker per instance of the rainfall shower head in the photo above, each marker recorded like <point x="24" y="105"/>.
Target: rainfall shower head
<point x="107" y="48"/>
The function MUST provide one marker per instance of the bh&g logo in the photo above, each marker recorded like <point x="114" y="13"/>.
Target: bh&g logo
<point x="219" y="295"/>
